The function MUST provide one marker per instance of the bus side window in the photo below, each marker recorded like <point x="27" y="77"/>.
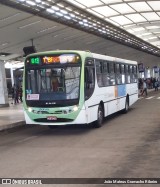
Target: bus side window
<point x="118" y="73"/>
<point x="99" y="71"/>
<point x="127" y="74"/>
<point x="134" y="73"/>
<point x="111" y="69"/>
<point x="123" y="73"/>
<point x="89" y="78"/>
<point x="131" y="73"/>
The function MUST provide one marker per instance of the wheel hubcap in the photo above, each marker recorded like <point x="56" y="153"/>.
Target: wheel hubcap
<point x="100" y="116"/>
<point x="126" y="105"/>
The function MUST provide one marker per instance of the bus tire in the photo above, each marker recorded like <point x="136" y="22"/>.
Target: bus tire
<point x="125" y="110"/>
<point x="100" y="117"/>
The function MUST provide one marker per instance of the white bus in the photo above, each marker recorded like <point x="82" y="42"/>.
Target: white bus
<point x="76" y="87"/>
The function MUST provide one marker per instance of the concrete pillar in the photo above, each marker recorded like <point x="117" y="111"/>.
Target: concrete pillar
<point x="144" y="73"/>
<point x="152" y="72"/>
<point x="12" y="77"/>
<point x="147" y="73"/>
<point x="3" y="86"/>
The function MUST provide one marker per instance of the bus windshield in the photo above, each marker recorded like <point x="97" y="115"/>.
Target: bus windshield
<point x="48" y="85"/>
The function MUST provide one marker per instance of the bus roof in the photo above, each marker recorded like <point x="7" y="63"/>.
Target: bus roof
<point x="58" y="51"/>
<point x="90" y="54"/>
<point x="105" y="57"/>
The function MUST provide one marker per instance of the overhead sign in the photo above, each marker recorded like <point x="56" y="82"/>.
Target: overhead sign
<point x="156" y="69"/>
<point x="141" y="67"/>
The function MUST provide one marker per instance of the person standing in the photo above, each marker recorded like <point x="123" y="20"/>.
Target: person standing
<point x="12" y="92"/>
<point x="144" y="88"/>
<point x="16" y="93"/>
<point x="20" y="93"/>
<point x="156" y="85"/>
<point x="55" y="84"/>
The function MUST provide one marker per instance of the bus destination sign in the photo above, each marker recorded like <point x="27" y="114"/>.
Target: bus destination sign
<point x="65" y="58"/>
<point x="53" y="59"/>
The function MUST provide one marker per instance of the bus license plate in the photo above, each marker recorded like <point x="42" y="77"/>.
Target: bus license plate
<point x="51" y="118"/>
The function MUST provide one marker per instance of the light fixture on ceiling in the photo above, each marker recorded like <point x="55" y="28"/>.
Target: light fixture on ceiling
<point x="54" y="7"/>
<point x="67" y="17"/>
<point x="59" y="14"/>
<point x="44" y="30"/>
<point x="50" y="10"/>
<point x="38" y="1"/>
<point x="31" y="3"/>
<point x="152" y="38"/>
<point x="4" y="44"/>
<point x="30" y="24"/>
<point x="9" y="17"/>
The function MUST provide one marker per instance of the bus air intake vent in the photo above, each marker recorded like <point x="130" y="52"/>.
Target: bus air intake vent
<point x="45" y="120"/>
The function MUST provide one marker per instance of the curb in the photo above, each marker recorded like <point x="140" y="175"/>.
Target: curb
<point x="12" y="125"/>
<point x="4" y="105"/>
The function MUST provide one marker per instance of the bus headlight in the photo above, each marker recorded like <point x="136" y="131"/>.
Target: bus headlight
<point x="67" y="111"/>
<point x="75" y="108"/>
<point x="29" y="109"/>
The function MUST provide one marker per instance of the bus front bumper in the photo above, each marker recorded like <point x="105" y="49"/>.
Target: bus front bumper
<point x="80" y="119"/>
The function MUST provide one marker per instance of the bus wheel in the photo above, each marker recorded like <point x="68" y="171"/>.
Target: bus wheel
<point x="100" y="117"/>
<point x="125" y="110"/>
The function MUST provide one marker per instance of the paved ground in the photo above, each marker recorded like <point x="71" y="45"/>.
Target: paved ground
<point x="11" y="116"/>
<point x="127" y="145"/>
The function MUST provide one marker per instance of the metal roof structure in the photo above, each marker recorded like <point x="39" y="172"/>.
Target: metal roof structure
<point x="140" y="18"/>
<point x="122" y="28"/>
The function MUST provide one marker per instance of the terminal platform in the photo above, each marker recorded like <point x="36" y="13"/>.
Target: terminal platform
<point x="11" y="116"/>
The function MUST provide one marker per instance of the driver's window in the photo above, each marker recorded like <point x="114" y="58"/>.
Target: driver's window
<point x="89" y="78"/>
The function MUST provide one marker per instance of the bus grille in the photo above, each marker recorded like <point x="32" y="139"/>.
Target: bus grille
<point x="43" y="120"/>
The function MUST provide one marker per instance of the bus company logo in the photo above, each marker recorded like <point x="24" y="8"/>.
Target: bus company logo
<point x="51" y="118"/>
<point x="50" y="103"/>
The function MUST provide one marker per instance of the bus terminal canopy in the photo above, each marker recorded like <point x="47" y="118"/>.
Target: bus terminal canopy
<point x="128" y="22"/>
<point x="140" y="18"/>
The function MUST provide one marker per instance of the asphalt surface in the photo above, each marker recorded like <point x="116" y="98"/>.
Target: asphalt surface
<point x="126" y="146"/>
